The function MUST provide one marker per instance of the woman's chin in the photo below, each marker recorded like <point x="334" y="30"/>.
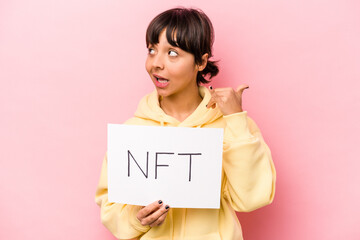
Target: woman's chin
<point x="163" y="92"/>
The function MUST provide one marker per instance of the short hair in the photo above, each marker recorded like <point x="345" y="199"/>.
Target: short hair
<point x="193" y="32"/>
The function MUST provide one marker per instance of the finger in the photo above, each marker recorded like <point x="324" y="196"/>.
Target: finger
<point x="220" y="90"/>
<point x="241" y="88"/>
<point x="152" y="218"/>
<point x="211" y="103"/>
<point x="144" y="212"/>
<point x="160" y="220"/>
<point x="211" y="89"/>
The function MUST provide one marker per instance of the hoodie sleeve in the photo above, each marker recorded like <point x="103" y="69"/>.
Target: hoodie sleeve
<point x="119" y="219"/>
<point x="249" y="181"/>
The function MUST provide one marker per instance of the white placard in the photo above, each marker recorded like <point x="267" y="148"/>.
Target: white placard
<point x="180" y="166"/>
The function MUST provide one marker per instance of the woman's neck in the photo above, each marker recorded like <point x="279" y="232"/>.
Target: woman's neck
<point x="181" y="105"/>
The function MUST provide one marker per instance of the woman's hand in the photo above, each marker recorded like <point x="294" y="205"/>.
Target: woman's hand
<point x="227" y="99"/>
<point x="153" y="214"/>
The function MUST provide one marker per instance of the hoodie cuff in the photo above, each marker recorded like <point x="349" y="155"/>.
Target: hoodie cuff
<point x="237" y="127"/>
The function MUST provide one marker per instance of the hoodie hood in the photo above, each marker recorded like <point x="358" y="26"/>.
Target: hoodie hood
<point x="149" y="109"/>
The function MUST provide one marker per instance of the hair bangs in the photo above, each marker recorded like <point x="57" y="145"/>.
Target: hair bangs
<point x="176" y="24"/>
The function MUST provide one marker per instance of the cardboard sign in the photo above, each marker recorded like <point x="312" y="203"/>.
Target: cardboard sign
<point x="180" y="166"/>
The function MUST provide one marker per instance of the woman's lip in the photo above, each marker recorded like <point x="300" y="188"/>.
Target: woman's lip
<point x="160" y="84"/>
<point x="158" y="76"/>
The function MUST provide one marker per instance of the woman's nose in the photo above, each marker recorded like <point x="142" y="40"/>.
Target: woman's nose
<point x="158" y="61"/>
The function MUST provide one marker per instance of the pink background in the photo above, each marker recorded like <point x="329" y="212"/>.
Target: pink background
<point x="67" y="68"/>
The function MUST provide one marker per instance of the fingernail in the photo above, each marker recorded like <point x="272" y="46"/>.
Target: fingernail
<point x="167" y="207"/>
<point x="160" y="202"/>
<point x="211" y="87"/>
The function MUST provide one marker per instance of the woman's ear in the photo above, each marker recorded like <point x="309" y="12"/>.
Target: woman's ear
<point x="203" y="64"/>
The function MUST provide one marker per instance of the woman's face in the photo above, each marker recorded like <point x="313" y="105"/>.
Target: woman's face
<point x="171" y="69"/>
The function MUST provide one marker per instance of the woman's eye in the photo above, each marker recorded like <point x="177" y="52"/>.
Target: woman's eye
<point x="172" y="53"/>
<point x="151" y="51"/>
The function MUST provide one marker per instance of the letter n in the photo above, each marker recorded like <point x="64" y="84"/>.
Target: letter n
<point x="147" y="164"/>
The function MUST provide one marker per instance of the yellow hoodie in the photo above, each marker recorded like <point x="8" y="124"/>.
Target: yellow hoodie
<point x="248" y="179"/>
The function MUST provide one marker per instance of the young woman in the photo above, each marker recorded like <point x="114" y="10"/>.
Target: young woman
<point x="180" y="42"/>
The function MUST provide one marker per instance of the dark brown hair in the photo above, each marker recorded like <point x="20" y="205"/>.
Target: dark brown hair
<point x="193" y="32"/>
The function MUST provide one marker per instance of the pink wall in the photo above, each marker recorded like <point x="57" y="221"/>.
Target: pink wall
<point x="67" y="68"/>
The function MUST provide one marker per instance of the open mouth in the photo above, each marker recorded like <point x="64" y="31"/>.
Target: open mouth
<point x="160" y="79"/>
